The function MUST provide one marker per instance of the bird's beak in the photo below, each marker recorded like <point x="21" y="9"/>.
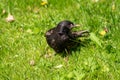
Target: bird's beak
<point x="77" y="25"/>
<point x="74" y="25"/>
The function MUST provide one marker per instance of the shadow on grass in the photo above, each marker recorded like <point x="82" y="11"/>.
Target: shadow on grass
<point x="75" y="47"/>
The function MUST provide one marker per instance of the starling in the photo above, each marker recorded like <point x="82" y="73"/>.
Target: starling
<point x="61" y="38"/>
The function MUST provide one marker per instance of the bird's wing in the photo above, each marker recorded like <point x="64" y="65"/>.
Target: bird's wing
<point x="49" y="32"/>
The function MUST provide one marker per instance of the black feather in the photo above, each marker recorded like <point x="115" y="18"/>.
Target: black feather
<point x="61" y="37"/>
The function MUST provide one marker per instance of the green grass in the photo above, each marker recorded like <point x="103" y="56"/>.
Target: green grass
<point x="23" y="41"/>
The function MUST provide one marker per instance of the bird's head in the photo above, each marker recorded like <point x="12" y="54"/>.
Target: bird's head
<point x="65" y="27"/>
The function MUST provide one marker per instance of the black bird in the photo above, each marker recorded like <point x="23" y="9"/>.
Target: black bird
<point x="61" y="38"/>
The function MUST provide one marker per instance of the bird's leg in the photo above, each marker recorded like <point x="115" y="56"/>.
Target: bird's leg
<point x="83" y="33"/>
<point x="67" y="56"/>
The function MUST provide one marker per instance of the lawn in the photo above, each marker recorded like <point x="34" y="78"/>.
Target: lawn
<point x="25" y="55"/>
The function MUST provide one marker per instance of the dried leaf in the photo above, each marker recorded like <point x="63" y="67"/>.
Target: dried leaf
<point x="32" y="62"/>
<point x="95" y="1"/>
<point x="113" y="6"/>
<point x="4" y="11"/>
<point x="48" y="55"/>
<point x="29" y="31"/>
<point x="102" y="33"/>
<point x="44" y="2"/>
<point x="10" y="18"/>
<point x="36" y="10"/>
<point x="59" y="66"/>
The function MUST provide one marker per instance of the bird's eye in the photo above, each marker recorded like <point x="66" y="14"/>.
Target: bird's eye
<point x="71" y="25"/>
